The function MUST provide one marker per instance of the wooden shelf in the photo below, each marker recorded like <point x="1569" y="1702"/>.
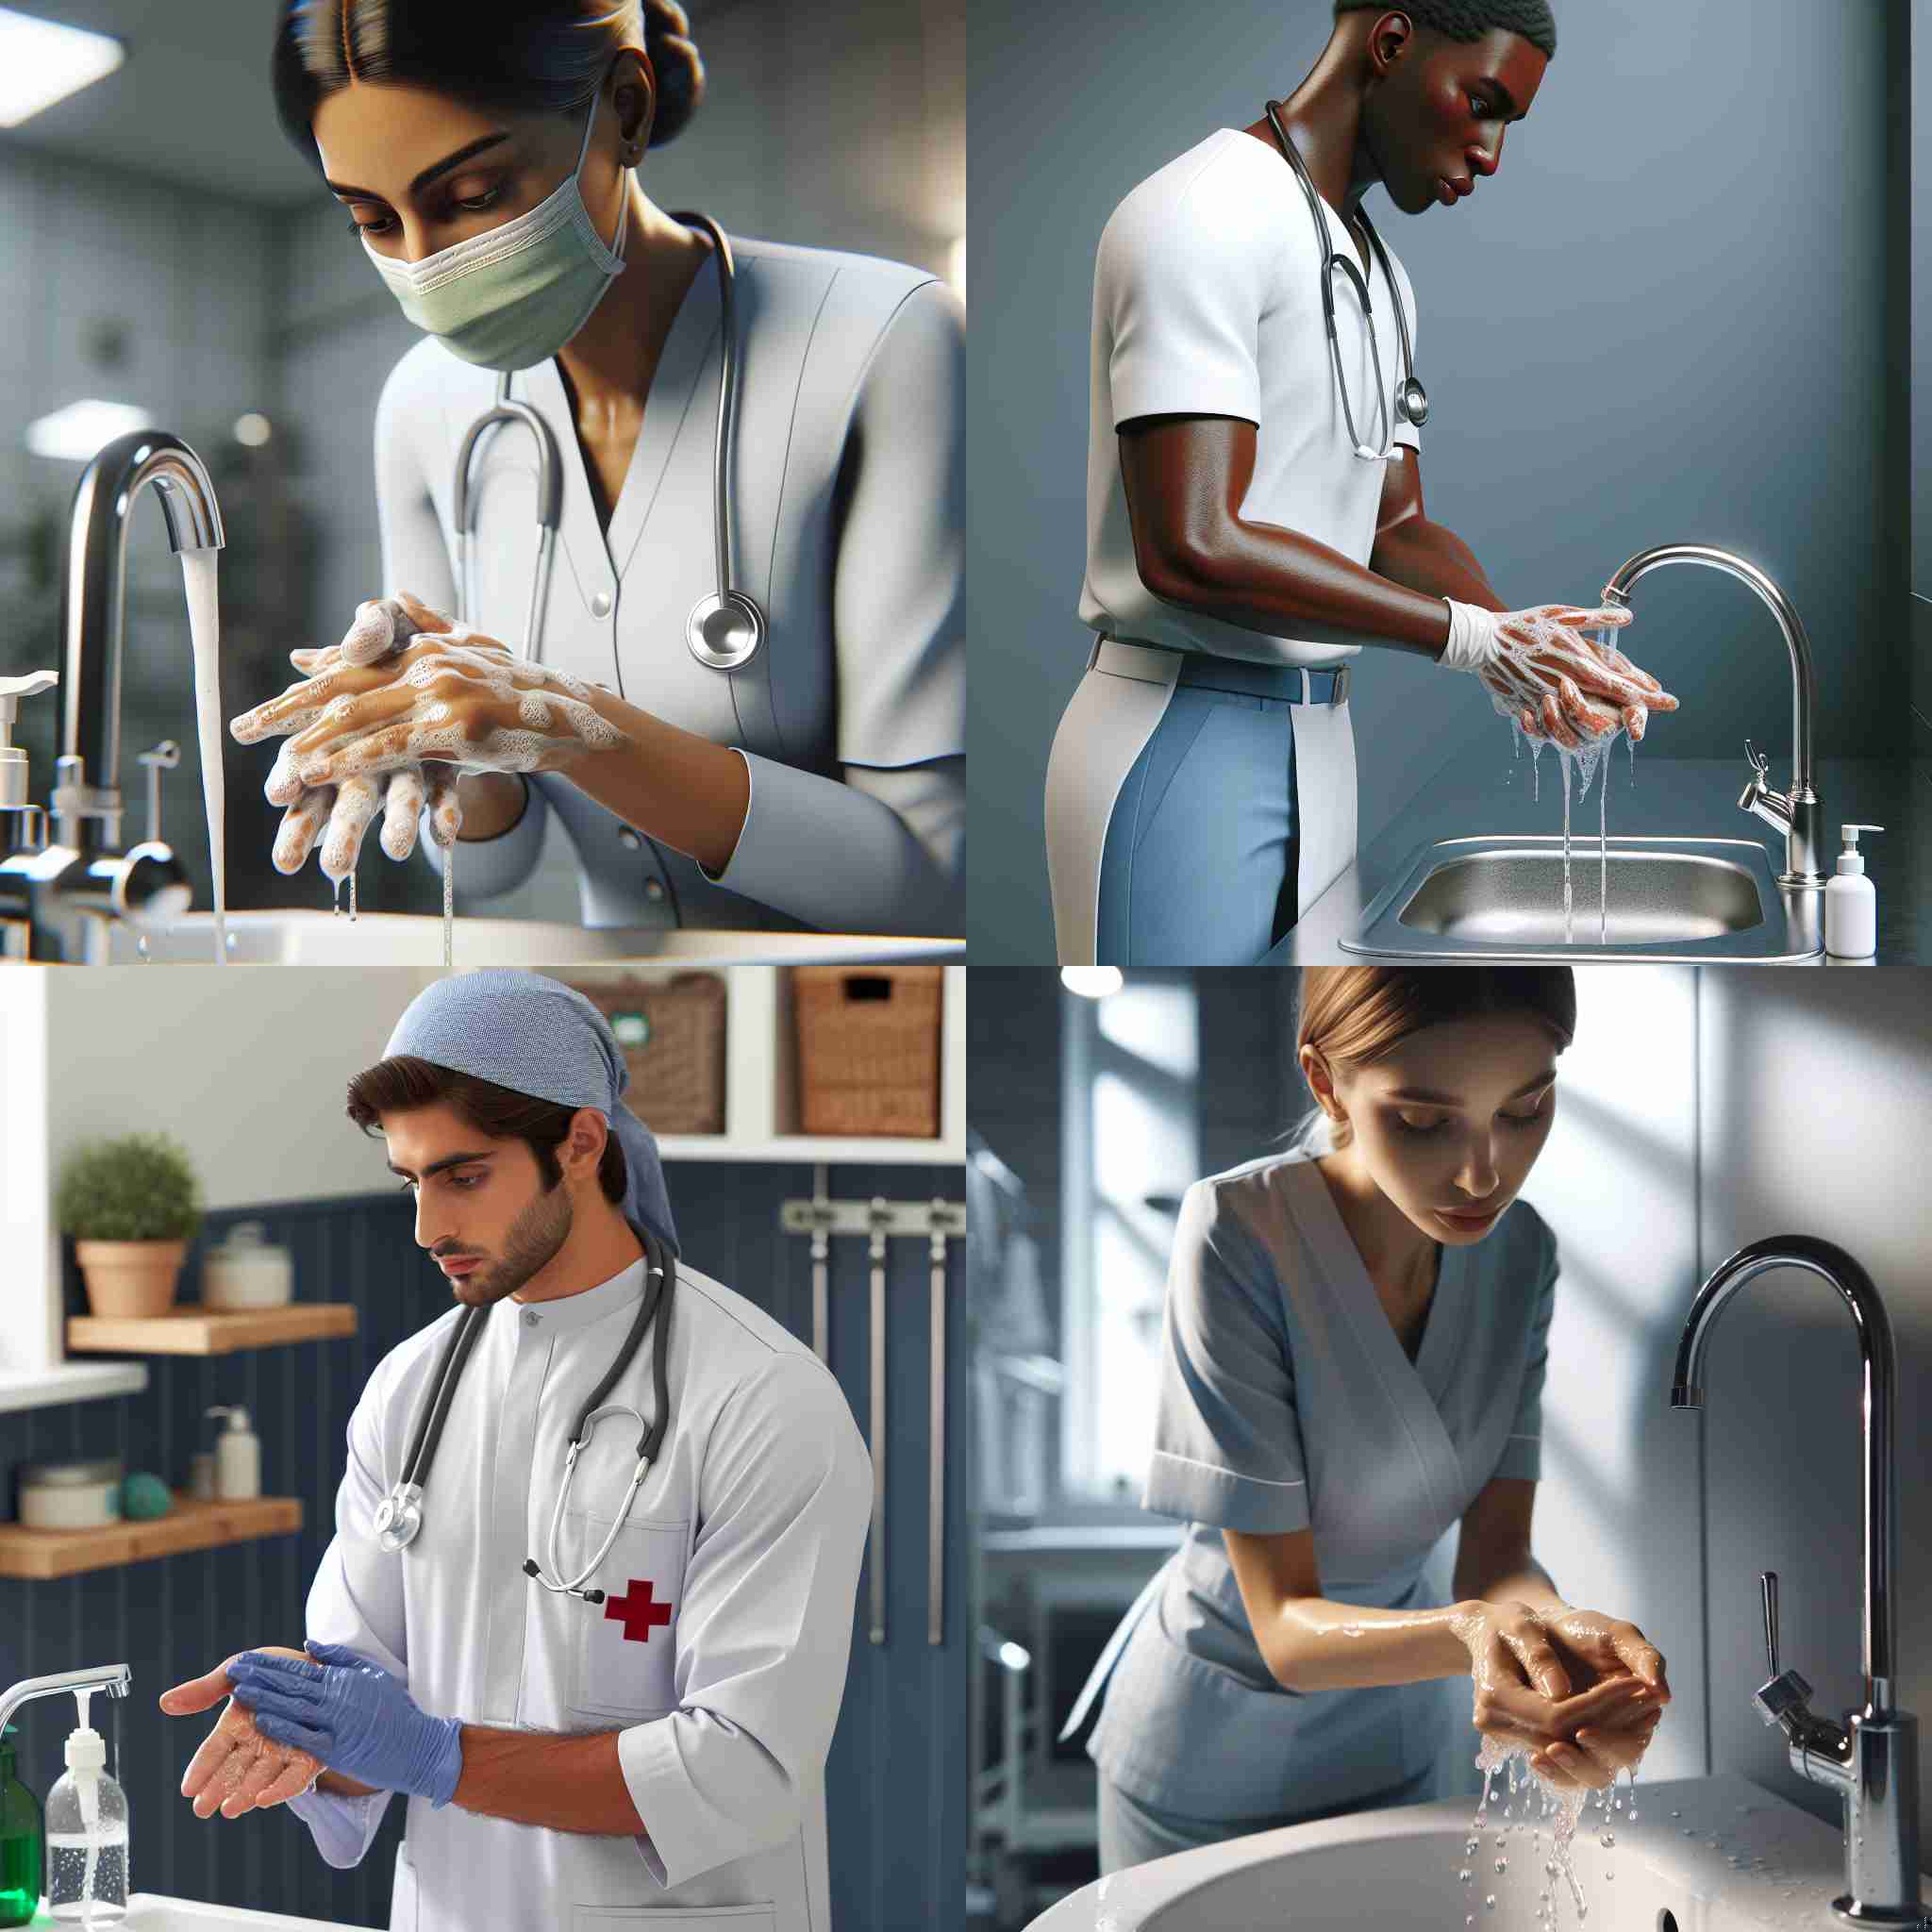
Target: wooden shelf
<point x="45" y="1553"/>
<point x="191" y="1329"/>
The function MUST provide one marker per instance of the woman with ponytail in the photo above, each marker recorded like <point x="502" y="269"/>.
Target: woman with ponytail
<point x="491" y="158"/>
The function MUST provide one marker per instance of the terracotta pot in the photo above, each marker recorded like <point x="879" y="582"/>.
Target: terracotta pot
<point x="130" y="1278"/>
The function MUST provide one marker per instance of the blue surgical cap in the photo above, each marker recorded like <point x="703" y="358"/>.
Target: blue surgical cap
<point x="537" y="1036"/>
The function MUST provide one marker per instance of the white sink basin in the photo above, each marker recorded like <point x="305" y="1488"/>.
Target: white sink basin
<point x="402" y="939"/>
<point x="1396" y="1870"/>
<point x="149" y="1913"/>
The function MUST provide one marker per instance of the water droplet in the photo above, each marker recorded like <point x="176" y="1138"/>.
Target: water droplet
<point x="1490" y="1903"/>
<point x="1676" y="1814"/>
<point x="1465" y="1874"/>
<point x="1502" y="1864"/>
<point x="1470" y="1846"/>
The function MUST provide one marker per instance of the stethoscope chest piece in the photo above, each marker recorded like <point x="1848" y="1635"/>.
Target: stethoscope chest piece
<point x="725" y="630"/>
<point x="1412" y="401"/>
<point x="399" y="1518"/>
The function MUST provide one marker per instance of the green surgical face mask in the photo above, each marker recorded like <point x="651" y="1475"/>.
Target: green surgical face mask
<point x="511" y="297"/>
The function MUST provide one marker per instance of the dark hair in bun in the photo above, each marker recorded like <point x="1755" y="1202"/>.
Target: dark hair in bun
<point x="512" y="56"/>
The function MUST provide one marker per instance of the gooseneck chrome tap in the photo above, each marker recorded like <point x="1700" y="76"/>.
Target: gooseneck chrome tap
<point x="112" y="1678"/>
<point x="1872" y="1758"/>
<point x="1797" y="813"/>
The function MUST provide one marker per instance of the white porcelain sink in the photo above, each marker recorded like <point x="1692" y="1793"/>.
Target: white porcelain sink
<point x="149" y="1913"/>
<point x="1396" y="1870"/>
<point x="402" y="939"/>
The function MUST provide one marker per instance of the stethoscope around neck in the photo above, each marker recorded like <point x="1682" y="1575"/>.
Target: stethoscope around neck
<point x="399" y="1516"/>
<point x="1411" y="399"/>
<point x="727" y="627"/>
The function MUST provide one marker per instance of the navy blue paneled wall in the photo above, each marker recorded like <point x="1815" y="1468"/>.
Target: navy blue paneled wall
<point x="898" y="1839"/>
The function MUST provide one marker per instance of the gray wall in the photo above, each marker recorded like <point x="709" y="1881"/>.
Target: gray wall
<point x="1659" y="322"/>
<point x="1915" y="24"/>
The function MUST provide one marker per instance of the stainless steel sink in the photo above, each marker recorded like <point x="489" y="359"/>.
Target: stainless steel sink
<point x="1502" y="898"/>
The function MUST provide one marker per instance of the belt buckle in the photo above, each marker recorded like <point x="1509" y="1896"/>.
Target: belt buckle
<point x="1338" y="693"/>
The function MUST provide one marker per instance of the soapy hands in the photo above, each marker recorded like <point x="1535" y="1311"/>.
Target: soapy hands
<point x="1583" y="1691"/>
<point x="1540" y="670"/>
<point x="349" y="1713"/>
<point x="382" y="721"/>
<point x="238" y="1769"/>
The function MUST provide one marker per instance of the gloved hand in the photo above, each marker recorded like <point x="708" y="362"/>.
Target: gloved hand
<point x="1539" y="1681"/>
<point x="1540" y="670"/>
<point x="237" y="1768"/>
<point x="348" y="1711"/>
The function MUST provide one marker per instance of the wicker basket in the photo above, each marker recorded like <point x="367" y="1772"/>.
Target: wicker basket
<point x="672" y="1032"/>
<point x="869" y="1049"/>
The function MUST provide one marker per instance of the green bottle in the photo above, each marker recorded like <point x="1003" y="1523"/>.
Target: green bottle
<point x="21" y="1851"/>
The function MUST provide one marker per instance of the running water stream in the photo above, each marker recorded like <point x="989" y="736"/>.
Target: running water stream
<point x="205" y="629"/>
<point x="1561" y="1809"/>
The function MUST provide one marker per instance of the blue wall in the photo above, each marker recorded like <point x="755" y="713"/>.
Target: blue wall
<point x="1664" y="319"/>
<point x="896" y="1777"/>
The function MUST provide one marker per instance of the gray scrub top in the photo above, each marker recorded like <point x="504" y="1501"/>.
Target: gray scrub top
<point x="1288" y="1402"/>
<point x="847" y="490"/>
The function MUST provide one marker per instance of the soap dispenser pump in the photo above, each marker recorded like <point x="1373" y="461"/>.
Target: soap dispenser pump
<point x="238" y="1457"/>
<point x="87" y="1835"/>
<point x="1851" y="902"/>
<point x="22" y="825"/>
<point x="21" y="1842"/>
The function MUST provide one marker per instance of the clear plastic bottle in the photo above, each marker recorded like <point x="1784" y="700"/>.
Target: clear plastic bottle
<point x="87" y="1836"/>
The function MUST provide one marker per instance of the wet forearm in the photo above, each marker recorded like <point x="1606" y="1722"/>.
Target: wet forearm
<point x="681" y="789"/>
<point x="1315" y="1643"/>
<point x="1518" y="1578"/>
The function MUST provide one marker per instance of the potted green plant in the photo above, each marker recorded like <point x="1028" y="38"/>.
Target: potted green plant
<point x="131" y="1203"/>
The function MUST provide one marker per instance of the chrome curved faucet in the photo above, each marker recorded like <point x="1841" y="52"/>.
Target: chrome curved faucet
<point x="1872" y="1759"/>
<point x="112" y="1678"/>
<point x="1797" y="813"/>
<point x="57" y="897"/>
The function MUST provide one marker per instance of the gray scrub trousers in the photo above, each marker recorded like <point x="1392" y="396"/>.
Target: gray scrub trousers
<point x="1286" y="1402"/>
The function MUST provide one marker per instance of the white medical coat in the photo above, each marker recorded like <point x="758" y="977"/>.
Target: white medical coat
<point x="719" y="1659"/>
<point x="848" y="491"/>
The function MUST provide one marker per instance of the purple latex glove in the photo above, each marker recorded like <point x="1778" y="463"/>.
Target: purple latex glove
<point x="347" y="1711"/>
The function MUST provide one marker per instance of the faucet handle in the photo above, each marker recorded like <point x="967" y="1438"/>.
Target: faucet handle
<point x="1760" y="764"/>
<point x="1783" y="1700"/>
<point x="163" y="758"/>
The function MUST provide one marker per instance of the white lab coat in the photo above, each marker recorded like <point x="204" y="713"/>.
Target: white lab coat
<point x="848" y="491"/>
<point x="749" y="1531"/>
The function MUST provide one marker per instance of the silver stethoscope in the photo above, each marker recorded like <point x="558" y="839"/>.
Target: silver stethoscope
<point x="1411" y="399"/>
<point x="399" y="1516"/>
<point x="725" y="627"/>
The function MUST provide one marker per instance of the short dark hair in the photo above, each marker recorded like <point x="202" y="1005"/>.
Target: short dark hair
<point x="1470" y="20"/>
<point x="404" y="1083"/>
<point x="507" y="56"/>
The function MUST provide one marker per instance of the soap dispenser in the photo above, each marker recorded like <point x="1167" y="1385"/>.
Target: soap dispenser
<point x="237" y="1459"/>
<point x="1851" y="902"/>
<point x="21" y="1841"/>
<point x="87" y="1835"/>
<point x="22" y="825"/>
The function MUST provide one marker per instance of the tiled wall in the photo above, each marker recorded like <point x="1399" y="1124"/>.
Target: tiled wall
<point x="895" y="1780"/>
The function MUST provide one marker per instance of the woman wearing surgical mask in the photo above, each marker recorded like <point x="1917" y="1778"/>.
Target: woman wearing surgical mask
<point x="487" y="156"/>
<point x="1355" y="1340"/>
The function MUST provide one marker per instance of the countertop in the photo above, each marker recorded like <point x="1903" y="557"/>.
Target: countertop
<point x="1671" y="797"/>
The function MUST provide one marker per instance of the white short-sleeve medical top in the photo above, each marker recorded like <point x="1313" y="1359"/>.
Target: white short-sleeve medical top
<point x="1288" y="1402"/>
<point x="1207" y="301"/>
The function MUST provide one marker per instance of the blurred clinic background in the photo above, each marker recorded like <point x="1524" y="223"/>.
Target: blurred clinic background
<point x="1697" y="1109"/>
<point x="1680" y="312"/>
<point x="165" y="251"/>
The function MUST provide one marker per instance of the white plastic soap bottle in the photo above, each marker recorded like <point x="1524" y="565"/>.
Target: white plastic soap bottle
<point x="87" y="1836"/>
<point x="237" y="1459"/>
<point x="1851" y="902"/>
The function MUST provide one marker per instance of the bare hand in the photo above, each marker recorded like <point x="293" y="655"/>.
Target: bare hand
<point x="237" y="1769"/>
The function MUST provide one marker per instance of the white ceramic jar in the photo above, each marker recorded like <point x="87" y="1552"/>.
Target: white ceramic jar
<point x="246" y="1270"/>
<point x="70" y="1495"/>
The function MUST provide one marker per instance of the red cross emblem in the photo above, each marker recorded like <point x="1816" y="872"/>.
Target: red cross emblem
<point x="638" y="1615"/>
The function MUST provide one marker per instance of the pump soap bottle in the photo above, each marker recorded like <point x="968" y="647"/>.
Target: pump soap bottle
<point x="1851" y="902"/>
<point x="21" y="1841"/>
<point x="87" y="1835"/>
<point x="237" y="1459"/>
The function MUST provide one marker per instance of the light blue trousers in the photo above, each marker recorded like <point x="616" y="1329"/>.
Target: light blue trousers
<point x="1131" y="1833"/>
